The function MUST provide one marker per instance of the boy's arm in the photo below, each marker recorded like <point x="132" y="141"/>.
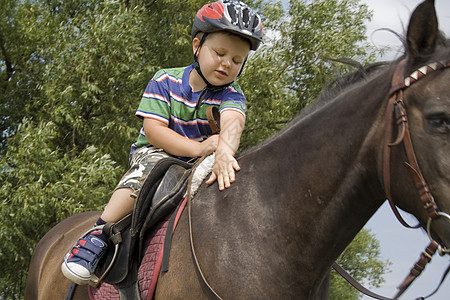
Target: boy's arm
<point x="161" y="136"/>
<point x="231" y="124"/>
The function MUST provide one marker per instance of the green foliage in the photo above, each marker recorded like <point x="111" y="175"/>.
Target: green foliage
<point x="84" y="65"/>
<point x="40" y="186"/>
<point x="18" y="71"/>
<point x="290" y="70"/>
<point x="71" y="77"/>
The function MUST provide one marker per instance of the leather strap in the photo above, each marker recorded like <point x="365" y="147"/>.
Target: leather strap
<point x="356" y="284"/>
<point x="395" y="93"/>
<point x="213" y="116"/>
<point x="71" y="291"/>
<point x="396" y="109"/>
<point x="439" y="285"/>
<point x="129" y="288"/>
<point x="191" y="237"/>
<point x="420" y="265"/>
<point x="424" y="259"/>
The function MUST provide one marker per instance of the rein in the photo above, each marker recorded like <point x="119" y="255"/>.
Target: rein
<point x="191" y="236"/>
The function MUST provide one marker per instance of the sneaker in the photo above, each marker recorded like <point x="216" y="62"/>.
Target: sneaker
<point x="80" y="262"/>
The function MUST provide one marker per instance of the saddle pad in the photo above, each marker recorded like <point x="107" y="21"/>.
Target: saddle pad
<point x="150" y="265"/>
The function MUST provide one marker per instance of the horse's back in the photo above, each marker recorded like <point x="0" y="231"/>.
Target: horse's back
<point x="45" y="279"/>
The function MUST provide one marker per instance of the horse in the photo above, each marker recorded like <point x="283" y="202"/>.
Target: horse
<point x="302" y="195"/>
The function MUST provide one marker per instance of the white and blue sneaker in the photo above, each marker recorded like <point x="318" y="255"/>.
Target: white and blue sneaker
<point x="80" y="262"/>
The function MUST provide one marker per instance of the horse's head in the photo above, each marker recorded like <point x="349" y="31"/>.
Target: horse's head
<point x="426" y="97"/>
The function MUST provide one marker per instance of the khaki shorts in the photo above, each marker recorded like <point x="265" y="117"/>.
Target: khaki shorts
<point x="142" y="162"/>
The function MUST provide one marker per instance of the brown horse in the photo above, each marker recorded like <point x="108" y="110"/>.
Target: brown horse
<point x="301" y="196"/>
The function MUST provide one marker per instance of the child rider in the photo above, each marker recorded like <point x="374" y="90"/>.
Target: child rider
<point x="173" y="109"/>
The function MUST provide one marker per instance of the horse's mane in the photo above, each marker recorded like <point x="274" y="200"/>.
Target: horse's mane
<point x="363" y="73"/>
<point x="341" y="83"/>
<point x="331" y="91"/>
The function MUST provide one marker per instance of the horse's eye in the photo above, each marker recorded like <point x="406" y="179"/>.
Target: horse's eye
<point x="440" y="122"/>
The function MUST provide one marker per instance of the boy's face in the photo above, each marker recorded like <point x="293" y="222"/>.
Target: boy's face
<point x="221" y="57"/>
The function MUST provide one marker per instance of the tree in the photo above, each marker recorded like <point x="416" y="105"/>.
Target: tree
<point x="290" y="70"/>
<point x="84" y="65"/>
<point x="71" y="77"/>
<point x="40" y="186"/>
<point x="18" y="71"/>
<point x="361" y="259"/>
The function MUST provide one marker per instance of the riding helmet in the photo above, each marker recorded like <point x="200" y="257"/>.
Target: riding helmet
<point x="232" y="16"/>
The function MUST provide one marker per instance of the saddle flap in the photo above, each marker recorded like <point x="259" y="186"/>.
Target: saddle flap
<point x="148" y="189"/>
<point x="169" y="183"/>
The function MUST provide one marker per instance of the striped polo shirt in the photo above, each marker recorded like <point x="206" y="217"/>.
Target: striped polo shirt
<point x="169" y="98"/>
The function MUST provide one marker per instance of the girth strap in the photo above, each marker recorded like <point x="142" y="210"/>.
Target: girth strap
<point x="71" y="291"/>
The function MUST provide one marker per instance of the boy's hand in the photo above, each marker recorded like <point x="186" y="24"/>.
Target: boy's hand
<point x="225" y="165"/>
<point x="209" y="145"/>
<point x="223" y="170"/>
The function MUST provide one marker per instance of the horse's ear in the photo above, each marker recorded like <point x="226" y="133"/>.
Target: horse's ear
<point x="422" y="32"/>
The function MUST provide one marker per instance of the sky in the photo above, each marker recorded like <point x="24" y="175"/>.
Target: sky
<point x="400" y="245"/>
<point x="394" y="14"/>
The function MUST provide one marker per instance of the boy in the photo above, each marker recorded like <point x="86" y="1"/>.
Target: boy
<point x="173" y="109"/>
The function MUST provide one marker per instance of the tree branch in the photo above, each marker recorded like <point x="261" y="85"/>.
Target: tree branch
<point x="150" y="4"/>
<point x="8" y="63"/>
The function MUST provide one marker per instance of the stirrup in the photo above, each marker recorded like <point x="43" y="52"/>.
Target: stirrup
<point x="114" y="231"/>
<point x="94" y="280"/>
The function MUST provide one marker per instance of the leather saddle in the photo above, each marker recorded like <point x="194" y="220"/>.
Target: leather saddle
<point x="160" y="194"/>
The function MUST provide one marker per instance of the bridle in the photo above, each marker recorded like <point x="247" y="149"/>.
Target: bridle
<point x="396" y="111"/>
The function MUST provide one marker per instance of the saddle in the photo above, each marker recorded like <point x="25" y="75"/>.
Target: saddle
<point x="160" y="194"/>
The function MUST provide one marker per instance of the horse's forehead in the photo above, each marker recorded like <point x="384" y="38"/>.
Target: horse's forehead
<point x="434" y="87"/>
<point x="439" y="81"/>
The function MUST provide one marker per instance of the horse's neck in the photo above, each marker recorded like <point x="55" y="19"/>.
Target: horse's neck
<point x="326" y="164"/>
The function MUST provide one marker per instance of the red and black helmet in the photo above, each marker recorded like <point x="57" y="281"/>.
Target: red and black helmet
<point x="232" y="16"/>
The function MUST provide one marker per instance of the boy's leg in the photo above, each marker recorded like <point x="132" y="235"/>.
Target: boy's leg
<point x="120" y="205"/>
<point x="80" y="262"/>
